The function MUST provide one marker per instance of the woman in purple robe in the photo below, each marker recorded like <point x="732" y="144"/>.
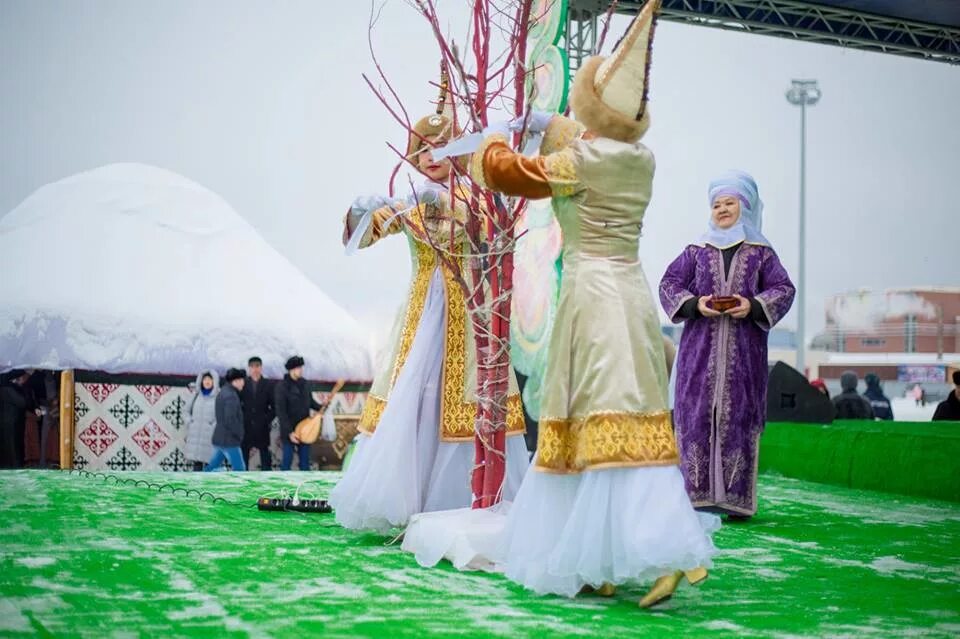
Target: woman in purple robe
<point x="721" y="384"/>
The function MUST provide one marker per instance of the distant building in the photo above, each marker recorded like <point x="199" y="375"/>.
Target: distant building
<point x="914" y="320"/>
<point x="905" y="336"/>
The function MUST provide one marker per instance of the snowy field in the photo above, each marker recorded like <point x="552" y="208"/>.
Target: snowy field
<point x="906" y="410"/>
<point x="84" y="557"/>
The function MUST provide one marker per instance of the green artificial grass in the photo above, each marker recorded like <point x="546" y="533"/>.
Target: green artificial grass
<point x="917" y="459"/>
<point x="81" y="557"/>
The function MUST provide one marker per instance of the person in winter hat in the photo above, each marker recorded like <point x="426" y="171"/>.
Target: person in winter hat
<point x="293" y="402"/>
<point x="228" y="434"/>
<point x="849" y="404"/>
<point x="604" y="503"/>
<point x="878" y="401"/>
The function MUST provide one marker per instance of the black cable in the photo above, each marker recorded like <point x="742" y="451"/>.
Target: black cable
<point x="201" y="495"/>
<point x="175" y="490"/>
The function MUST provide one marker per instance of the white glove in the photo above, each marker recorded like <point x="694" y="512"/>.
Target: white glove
<point x="426" y="194"/>
<point x="536" y="123"/>
<point x="366" y="203"/>
<point x="503" y="128"/>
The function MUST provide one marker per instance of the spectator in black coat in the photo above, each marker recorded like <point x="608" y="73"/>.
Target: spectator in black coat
<point x="16" y="401"/>
<point x="258" y="413"/>
<point x="849" y="404"/>
<point x="228" y="434"/>
<point x="949" y="409"/>
<point x="14" y="404"/>
<point x="878" y="401"/>
<point x="293" y="402"/>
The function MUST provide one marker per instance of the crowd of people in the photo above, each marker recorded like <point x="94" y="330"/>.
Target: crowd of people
<point x="224" y="422"/>
<point x="228" y="422"/>
<point x="874" y="404"/>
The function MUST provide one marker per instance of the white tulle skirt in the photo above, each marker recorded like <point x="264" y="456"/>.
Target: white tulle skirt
<point x="566" y="531"/>
<point x="404" y="468"/>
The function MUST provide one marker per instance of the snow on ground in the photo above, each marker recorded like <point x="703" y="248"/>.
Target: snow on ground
<point x="131" y="268"/>
<point x="906" y="410"/>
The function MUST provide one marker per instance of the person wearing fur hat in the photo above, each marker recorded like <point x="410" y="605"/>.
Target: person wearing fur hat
<point x="228" y="434"/>
<point x="415" y="450"/>
<point x="604" y="502"/>
<point x="293" y="402"/>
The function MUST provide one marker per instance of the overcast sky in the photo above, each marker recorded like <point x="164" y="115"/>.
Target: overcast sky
<point x="263" y="102"/>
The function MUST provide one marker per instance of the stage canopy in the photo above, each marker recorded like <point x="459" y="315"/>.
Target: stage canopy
<point x="926" y="29"/>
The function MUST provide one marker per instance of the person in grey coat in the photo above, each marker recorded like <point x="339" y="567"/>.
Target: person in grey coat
<point x="228" y="434"/>
<point x="202" y="419"/>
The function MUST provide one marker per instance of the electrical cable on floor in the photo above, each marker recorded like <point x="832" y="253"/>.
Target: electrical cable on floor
<point x="201" y="495"/>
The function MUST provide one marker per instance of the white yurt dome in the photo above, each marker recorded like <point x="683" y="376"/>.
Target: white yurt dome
<point x="132" y="268"/>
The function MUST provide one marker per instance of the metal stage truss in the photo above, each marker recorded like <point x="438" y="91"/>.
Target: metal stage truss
<point x="834" y="23"/>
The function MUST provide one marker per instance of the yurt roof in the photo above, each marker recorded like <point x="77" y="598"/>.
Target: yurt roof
<point x="132" y="268"/>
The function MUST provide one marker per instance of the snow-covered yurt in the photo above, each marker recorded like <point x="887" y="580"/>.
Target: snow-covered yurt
<point x="134" y="280"/>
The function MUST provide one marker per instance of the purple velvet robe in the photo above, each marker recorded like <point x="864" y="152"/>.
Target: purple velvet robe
<point x="721" y="384"/>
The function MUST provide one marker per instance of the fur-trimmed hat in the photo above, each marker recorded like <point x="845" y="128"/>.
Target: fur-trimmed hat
<point x="294" y="362"/>
<point x="609" y="95"/>
<point x="428" y="127"/>
<point x="234" y="374"/>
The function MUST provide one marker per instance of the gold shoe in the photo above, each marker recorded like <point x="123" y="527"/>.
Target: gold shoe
<point x="663" y="589"/>
<point x="696" y="576"/>
<point x="606" y="590"/>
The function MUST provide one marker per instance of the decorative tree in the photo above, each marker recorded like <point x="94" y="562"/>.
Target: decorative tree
<point x="486" y="81"/>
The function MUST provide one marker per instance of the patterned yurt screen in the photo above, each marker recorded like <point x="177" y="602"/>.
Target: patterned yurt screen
<point x="139" y="422"/>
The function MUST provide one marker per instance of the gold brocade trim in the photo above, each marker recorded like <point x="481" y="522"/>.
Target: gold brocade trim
<point x="560" y="133"/>
<point x="476" y="162"/>
<point x="606" y="440"/>
<point x="561" y="173"/>
<point x="457" y="416"/>
<point x="370" y="415"/>
<point x="463" y="415"/>
<point x="426" y="263"/>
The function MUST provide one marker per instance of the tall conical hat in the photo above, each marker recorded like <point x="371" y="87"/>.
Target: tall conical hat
<point x="609" y="95"/>
<point x="441" y="122"/>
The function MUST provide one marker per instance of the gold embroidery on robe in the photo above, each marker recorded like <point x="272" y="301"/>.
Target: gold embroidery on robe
<point x="457" y="416"/>
<point x="371" y="413"/>
<point x="606" y="440"/>
<point x="561" y="173"/>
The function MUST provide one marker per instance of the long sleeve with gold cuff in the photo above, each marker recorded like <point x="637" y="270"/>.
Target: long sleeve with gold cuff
<point x="378" y="228"/>
<point x="497" y="167"/>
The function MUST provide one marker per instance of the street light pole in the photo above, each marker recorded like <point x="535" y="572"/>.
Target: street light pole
<point x="802" y="93"/>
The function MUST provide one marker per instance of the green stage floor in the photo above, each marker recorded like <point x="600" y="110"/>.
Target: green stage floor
<point x="81" y="557"/>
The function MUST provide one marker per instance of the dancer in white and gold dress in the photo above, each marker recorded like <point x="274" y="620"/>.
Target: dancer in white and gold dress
<point x="604" y="504"/>
<point x="416" y="447"/>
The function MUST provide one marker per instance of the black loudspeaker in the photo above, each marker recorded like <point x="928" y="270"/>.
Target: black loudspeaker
<point x="791" y="398"/>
